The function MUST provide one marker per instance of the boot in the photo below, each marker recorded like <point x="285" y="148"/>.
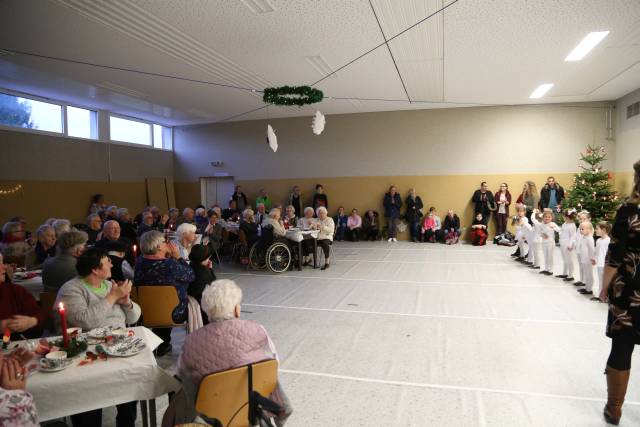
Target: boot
<point x="616" y="390"/>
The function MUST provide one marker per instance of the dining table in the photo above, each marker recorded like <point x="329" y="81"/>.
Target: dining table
<point x="102" y="383"/>
<point x="298" y="235"/>
<point x="32" y="282"/>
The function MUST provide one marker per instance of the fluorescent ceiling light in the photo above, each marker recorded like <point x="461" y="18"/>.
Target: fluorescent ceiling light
<point x="541" y="90"/>
<point x="585" y="46"/>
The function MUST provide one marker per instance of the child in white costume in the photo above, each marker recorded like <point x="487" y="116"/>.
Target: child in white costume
<point x="568" y="233"/>
<point x="583" y="216"/>
<point x="534" y="238"/>
<point x="547" y="229"/>
<point x="602" y="246"/>
<point x="586" y="257"/>
<point x="521" y="223"/>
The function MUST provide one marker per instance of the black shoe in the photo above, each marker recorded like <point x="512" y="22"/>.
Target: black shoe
<point x="516" y="253"/>
<point x="561" y="276"/>
<point x="324" y="267"/>
<point x="526" y="255"/>
<point x="578" y="284"/>
<point x="535" y="267"/>
<point x="585" y="292"/>
<point x="568" y="279"/>
<point x="542" y="272"/>
<point x="529" y="263"/>
<point x="594" y="299"/>
<point x="548" y="273"/>
<point x="163" y="349"/>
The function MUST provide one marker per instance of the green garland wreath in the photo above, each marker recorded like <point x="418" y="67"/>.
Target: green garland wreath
<point x="292" y="95"/>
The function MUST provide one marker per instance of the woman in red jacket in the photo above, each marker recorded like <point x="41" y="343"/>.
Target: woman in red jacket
<point x="19" y="311"/>
<point x="503" y="200"/>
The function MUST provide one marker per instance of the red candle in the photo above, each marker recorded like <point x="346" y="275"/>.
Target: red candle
<point x="63" y="324"/>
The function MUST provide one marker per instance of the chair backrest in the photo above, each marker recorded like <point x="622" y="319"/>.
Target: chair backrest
<point x="157" y="303"/>
<point x="47" y="299"/>
<point x="223" y="394"/>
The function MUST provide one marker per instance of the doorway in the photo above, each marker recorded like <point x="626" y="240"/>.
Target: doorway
<point x="216" y="190"/>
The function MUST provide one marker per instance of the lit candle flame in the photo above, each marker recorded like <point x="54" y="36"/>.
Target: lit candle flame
<point x="61" y="306"/>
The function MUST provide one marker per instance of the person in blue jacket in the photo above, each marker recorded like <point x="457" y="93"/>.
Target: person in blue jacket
<point x="392" y="204"/>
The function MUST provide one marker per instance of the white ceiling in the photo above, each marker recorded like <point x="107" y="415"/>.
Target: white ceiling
<point x="476" y="52"/>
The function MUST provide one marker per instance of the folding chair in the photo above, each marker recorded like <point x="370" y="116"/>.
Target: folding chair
<point x="229" y="397"/>
<point x="157" y="303"/>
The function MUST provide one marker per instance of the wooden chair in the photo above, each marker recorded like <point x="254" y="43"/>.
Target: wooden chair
<point x="157" y="303"/>
<point x="225" y="395"/>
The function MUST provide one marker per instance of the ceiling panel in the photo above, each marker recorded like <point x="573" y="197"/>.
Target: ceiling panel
<point x="475" y="53"/>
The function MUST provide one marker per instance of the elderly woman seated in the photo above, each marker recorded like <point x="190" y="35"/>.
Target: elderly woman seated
<point x="249" y="227"/>
<point x="201" y="219"/>
<point x="273" y="221"/>
<point x="185" y="239"/>
<point x="91" y="301"/>
<point x="45" y="247"/>
<point x="326" y="228"/>
<point x="307" y="220"/>
<point x="161" y="264"/>
<point x="94" y="227"/>
<point x="290" y="220"/>
<point x="61" y="268"/>
<point x="172" y="221"/>
<point x="19" y="311"/>
<point x="13" y="245"/>
<point x="17" y="407"/>
<point x="228" y="342"/>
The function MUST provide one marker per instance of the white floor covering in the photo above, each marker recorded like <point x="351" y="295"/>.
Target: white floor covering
<point x="408" y="334"/>
<point x="431" y="335"/>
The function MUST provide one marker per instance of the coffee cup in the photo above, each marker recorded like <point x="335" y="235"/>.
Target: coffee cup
<point x="54" y="359"/>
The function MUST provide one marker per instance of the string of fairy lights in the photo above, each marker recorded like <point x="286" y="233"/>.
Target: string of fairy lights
<point x="11" y="190"/>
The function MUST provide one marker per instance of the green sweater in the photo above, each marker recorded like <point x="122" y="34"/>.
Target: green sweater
<point x="266" y="201"/>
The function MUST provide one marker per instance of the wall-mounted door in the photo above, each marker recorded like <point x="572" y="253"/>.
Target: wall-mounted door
<point x="216" y="190"/>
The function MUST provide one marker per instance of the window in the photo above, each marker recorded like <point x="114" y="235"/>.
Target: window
<point x="30" y="114"/>
<point x="130" y="131"/>
<point x="82" y="123"/>
<point x="162" y="137"/>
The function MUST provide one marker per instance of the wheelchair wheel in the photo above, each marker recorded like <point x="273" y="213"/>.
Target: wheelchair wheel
<point x="278" y="257"/>
<point x="256" y="258"/>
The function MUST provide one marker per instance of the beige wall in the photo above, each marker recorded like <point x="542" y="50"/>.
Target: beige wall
<point x="627" y="134"/>
<point x="460" y="141"/>
<point x="59" y="175"/>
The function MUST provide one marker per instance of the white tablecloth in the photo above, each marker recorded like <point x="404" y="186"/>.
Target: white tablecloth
<point x="102" y="383"/>
<point x="34" y="286"/>
<point x="298" y="235"/>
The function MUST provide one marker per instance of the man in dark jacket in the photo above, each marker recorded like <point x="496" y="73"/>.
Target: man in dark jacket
<point x="392" y="204"/>
<point x="551" y="195"/>
<point x="483" y="201"/>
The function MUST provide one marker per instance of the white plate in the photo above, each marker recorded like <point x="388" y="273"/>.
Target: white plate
<point x="125" y="348"/>
<point x="99" y="333"/>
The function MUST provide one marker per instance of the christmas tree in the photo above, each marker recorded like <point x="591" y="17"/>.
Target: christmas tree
<point x="592" y="190"/>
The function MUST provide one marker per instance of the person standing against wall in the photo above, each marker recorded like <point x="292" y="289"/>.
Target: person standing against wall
<point x="413" y="214"/>
<point x="319" y="198"/>
<point x="483" y="202"/>
<point x="392" y="204"/>
<point x="295" y="200"/>
<point x="503" y="200"/>
<point x="551" y="195"/>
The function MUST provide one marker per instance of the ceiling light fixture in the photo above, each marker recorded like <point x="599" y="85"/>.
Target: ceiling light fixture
<point x="585" y="46"/>
<point x="541" y="90"/>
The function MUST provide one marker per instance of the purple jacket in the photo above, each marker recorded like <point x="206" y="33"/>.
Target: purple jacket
<point x="222" y="345"/>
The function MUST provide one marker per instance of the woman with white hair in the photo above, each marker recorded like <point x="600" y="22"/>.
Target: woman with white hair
<point x="228" y="342"/>
<point x="249" y="227"/>
<point x="307" y="220"/>
<point x="45" y="247"/>
<point x="326" y="227"/>
<point x="161" y="264"/>
<point x="201" y="220"/>
<point x="273" y="221"/>
<point x="290" y="219"/>
<point x="186" y="237"/>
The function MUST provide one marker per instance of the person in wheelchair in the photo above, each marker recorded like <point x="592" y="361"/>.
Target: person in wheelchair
<point x="273" y="250"/>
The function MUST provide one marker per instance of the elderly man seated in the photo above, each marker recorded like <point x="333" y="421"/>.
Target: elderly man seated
<point x="94" y="228"/>
<point x="45" y="247"/>
<point x="228" y="342"/>
<point x="13" y="245"/>
<point x="188" y="216"/>
<point x="127" y="227"/>
<point x="61" y="268"/>
<point x="161" y="264"/>
<point x="213" y="233"/>
<point x="273" y="221"/>
<point x="231" y="213"/>
<point x="91" y="301"/>
<point x="261" y="214"/>
<point x="61" y="226"/>
<point x="111" y="233"/>
<point x="249" y="227"/>
<point x="172" y="221"/>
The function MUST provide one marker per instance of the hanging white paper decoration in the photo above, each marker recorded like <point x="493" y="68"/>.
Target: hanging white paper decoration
<point x="318" y="123"/>
<point x="272" y="139"/>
